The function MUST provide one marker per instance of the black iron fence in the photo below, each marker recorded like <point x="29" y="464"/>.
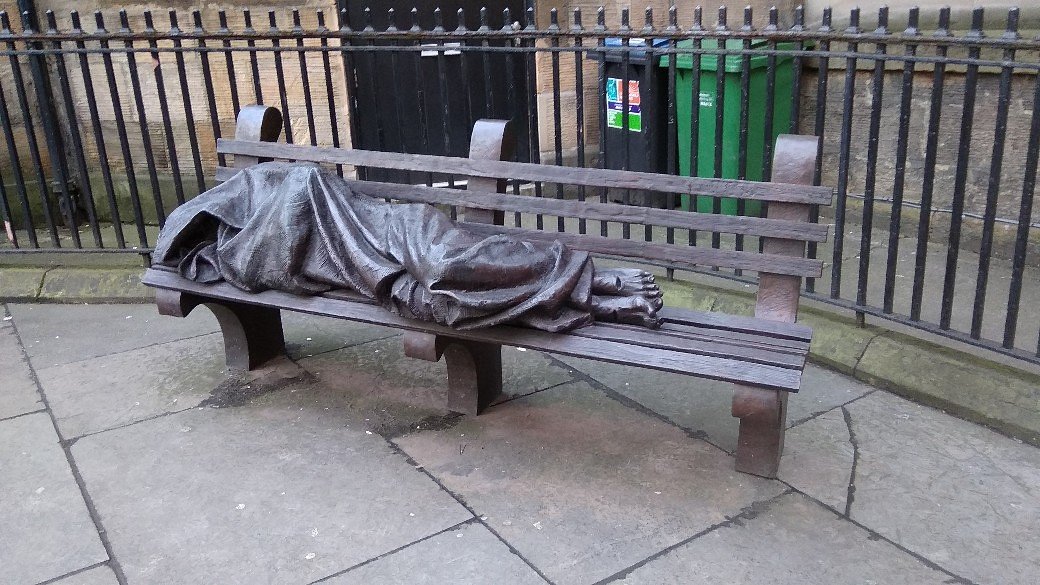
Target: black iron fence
<point x="931" y="137"/>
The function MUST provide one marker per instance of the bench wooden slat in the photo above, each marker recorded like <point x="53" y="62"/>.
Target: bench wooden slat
<point x="689" y="256"/>
<point x="716" y="368"/>
<point x="654" y="339"/>
<point x="734" y="338"/>
<point x="592" y="210"/>
<point x="588" y="177"/>
<point x="747" y="339"/>
<point x="739" y="323"/>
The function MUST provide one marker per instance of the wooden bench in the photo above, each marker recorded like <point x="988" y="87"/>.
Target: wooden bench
<point x="763" y="355"/>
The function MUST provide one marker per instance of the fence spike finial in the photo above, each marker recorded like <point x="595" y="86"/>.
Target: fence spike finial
<point x="882" y="21"/>
<point x="438" y="20"/>
<point x="391" y="20"/>
<point x="977" y="21"/>
<point x="774" y="19"/>
<point x="825" y="24"/>
<point x="149" y="22"/>
<point x="415" y="20"/>
<point x="77" y="27"/>
<point x="601" y="19"/>
<point x="913" y="21"/>
<point x="720" y="24"/>
<point x="460" y="14"/>
<point x="747" y="19"/>
<point x="698" y="18"/>
<point x="648" y="19"/>
<point x="1011" y="31"/>
<point x="576" y="24"/>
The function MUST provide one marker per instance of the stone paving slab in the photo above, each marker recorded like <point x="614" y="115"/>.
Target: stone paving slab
<point x="102" y="575"/>
<point x="955" y="493"/>
<point x="581" y="485"/>
<point x="818" y="456"/>
<point x="703" y="406"/>
<point x="59" y="334"/>
<point x="255" y="494"/>
<point x="45" y="528"/>
<point x="91" y="395"/>
<point x="470" y="555"/>
<point x="18" y="394"/>
<point x="789" y="540"/>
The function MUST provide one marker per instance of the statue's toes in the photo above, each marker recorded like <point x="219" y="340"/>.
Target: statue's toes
<point x="657" y="303"/>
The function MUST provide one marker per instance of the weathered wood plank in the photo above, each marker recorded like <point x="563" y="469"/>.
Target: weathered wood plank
<point x="716" y="368"/>
<point x="689" y="256"/>
<point x="676" y="342"/>
<point x="742" y="323"/>
<point x="589" y="177"/>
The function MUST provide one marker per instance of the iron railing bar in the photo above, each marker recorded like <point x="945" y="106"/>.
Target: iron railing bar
<point x="30" y="131"/>
<point x="99" y="139"/>
<point x="124" y="144"/>
<point x="960" y="180"/>
<point x="77" y="140"/>
<point x="1025" y="213"/>
<point x="899" y="177"/>
<point x="142" y="122"/>
<point x="870" y="180"/>
<point x="164" y="111"/>
<point x="993" y="183"/>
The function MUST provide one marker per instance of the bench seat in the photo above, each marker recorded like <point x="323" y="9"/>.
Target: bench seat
<point x="729" y="348"/>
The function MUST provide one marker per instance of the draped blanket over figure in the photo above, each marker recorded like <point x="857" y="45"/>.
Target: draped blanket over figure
<point x="302" y="229"/>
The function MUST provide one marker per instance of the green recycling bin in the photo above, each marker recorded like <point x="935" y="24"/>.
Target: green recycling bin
<point x="709" y="103"/>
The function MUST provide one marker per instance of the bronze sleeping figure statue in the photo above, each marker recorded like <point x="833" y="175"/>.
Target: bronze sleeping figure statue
<point x="301" y="229"/>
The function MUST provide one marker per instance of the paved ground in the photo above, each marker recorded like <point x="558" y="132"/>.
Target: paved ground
<point x="127" y="455"/>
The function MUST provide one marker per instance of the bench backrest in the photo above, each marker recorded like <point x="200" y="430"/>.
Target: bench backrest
<point x="780" y="263"/>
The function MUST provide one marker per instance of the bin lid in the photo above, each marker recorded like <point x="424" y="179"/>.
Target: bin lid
<point x="614" y="51"/>
<point x="734" y="62"/>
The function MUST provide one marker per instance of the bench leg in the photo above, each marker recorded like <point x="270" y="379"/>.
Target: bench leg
<point x="474" y="368"/>
<point x="763" y="416"/>
<point x="252" y="334"/>
<point x="474" y="375"/>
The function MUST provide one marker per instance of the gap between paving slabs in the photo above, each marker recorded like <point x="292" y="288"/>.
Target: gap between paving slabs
<point x="1002" y="397"/>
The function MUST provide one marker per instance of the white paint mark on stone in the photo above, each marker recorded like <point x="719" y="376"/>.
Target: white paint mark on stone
<point x="309" y="556"/>
<point x="240" y="507"/>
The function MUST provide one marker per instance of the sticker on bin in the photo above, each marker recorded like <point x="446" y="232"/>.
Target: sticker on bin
<point x="614" y="91"/>
<point x="615" y="117"/>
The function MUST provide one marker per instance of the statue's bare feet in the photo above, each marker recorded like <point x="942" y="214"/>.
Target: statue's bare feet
<point x="627" y="282"/>
<point x="632" y="309"/>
